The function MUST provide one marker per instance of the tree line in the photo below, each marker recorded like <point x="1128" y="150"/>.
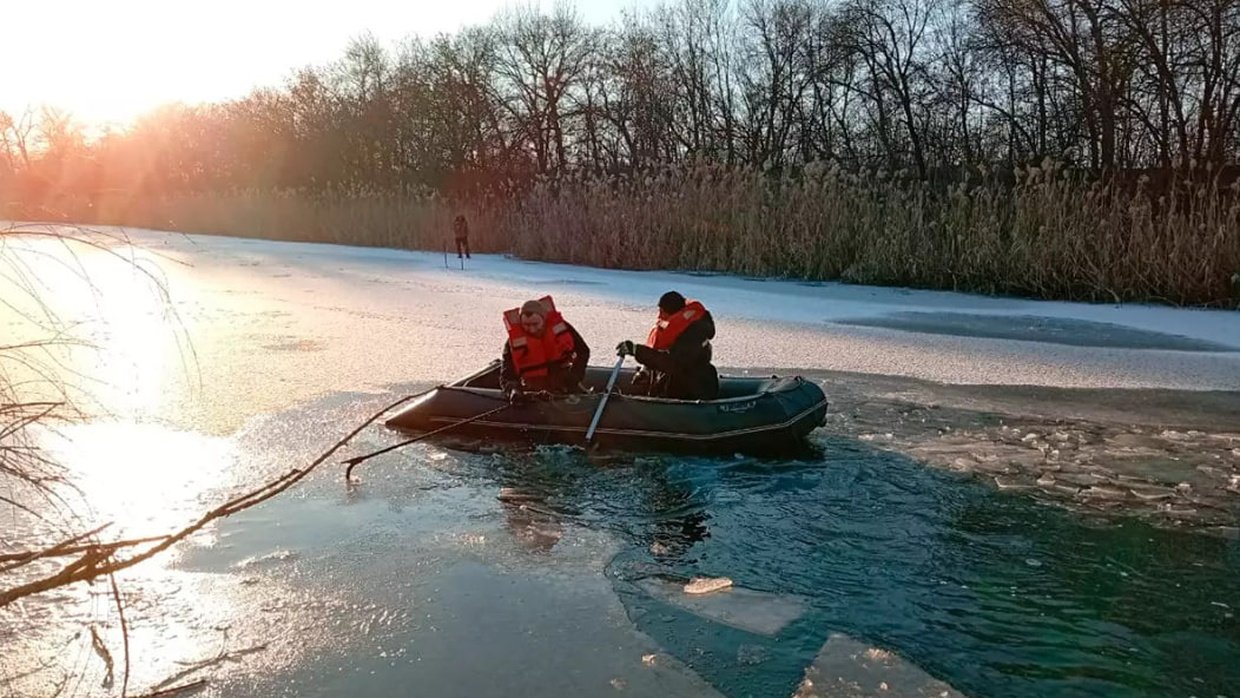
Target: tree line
<point x="916" y="86"/>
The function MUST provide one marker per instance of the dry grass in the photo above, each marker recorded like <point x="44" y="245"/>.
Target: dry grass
<point x="1048" y="236"/>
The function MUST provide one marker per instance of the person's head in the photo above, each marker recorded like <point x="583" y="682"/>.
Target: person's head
<point x="533" y="317"/>
<point x="669" y="303"/>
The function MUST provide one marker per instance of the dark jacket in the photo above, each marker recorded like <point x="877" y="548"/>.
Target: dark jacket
<point x="683" y="371"/>
<point x="559" y="379"/>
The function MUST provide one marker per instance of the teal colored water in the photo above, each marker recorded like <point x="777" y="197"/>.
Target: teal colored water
<point x="991" y="592"/>
<point x="421" y="578"/>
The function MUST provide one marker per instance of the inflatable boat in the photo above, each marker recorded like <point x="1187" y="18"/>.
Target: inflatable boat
<point x="750" y="414"/>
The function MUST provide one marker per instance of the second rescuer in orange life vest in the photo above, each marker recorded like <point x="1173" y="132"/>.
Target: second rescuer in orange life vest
<point x="676" y="358"/>
<point x="544" y="354"/>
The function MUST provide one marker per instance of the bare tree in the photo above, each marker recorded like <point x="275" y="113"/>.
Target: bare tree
<point x="778" y="78"/>
<point x="541" y="58"/>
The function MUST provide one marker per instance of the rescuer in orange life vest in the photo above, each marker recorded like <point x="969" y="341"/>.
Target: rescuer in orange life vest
<point x="676" y="356"/>
<point x="543" y="355"/>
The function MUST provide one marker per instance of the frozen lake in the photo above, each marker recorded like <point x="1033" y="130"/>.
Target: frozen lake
<point x="1013" y="498"/>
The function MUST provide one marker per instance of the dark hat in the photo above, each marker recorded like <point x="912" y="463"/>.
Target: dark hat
<point x="671" y="301"/>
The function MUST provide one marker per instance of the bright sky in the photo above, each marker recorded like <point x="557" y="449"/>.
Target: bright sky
<point x="109" y="60"/>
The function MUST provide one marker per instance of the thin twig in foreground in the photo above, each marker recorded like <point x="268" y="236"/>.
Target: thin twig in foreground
<point x="164" y="693"/>
<point x="120" y="611"/>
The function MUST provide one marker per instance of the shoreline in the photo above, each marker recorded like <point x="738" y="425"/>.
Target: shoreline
<point x="510" y="252"/>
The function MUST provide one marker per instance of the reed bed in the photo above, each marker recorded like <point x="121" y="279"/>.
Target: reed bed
<point x="1038" y="232"/>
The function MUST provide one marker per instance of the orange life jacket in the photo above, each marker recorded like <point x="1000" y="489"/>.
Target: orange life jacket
<point x="665" y="332"/>
<point x="534" y="356"/>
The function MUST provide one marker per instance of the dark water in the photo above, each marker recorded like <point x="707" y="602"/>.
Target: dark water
<point x="988" y="591"/>
<point x="1036" y="328"/>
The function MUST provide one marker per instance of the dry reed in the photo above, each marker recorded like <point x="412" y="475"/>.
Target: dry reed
<point x="1048" y="235"/>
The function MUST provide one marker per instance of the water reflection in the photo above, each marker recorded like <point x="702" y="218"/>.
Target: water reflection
<point x="109" y="320"/>
<point x="143" y="479"/>
<point x="114" y="346"/>
<point x="532" y="525"/>
<point x="237" y="616"/>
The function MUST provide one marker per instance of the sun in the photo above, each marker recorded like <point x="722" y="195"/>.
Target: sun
<point x="119" y="352"/>
<point x="110" y="62"/>
<point x="106" y="63"/>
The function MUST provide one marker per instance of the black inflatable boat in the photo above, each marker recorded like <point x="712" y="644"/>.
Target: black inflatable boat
<point x="751" y="414"/>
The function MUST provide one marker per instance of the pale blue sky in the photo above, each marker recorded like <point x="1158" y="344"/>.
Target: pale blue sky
<point x="108" y="60"/>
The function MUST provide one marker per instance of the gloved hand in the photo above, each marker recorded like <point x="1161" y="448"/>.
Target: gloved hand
<point x="626" y="348"/>
<point x="518" y="397"/>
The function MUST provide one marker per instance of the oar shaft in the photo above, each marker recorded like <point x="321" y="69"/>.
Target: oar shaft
<point x="611" y="383"/>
